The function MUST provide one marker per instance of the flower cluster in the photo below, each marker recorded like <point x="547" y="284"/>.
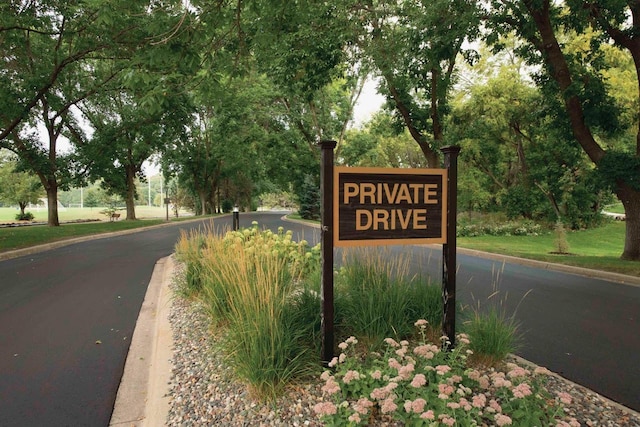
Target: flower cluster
<point x="427" y="384"/>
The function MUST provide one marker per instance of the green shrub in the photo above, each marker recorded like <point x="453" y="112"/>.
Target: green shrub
<point x="27" y="216"/>
<point x="257" y="285"/>
<point x="310" y="198"/>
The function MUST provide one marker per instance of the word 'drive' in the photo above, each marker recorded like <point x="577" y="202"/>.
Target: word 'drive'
<point x="389" y="206"/>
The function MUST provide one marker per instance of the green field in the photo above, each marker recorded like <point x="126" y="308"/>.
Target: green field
<point x="70" y="214"/>
<point x="599" y="248"/>
<point x="22" y="237"/>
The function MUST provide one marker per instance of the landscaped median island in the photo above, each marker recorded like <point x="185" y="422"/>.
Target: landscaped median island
<point x="260" y="293"/>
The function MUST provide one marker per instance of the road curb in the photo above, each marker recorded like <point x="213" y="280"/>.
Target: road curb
<point x="142" y="398"/>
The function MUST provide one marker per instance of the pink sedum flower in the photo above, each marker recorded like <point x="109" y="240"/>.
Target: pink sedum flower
<point x="325" y="408"/>
<point x="355" y="418"/>
<point x="350" y="376"/>
<point x="405" y="371"/>
<point x="387" y="406"/>
<point x="522" y="390"/>
<point x="421" y="323"/>
<point x="394" y="364"/>
<point x="362" y="405"/>
<point x="518" y="372"/>
<point x="495" y="406"/>
<point x="442" y="369"/>
<point x="331" y="387"/>
<point x="447" y="420"/>
<point x="565" y="398"/>
<point x="429" y="415"/>
<point x="502" y="420"/>
<point x="418" y="381"/>
<point x="391" y="342"/>
<point x="479" y="401"/>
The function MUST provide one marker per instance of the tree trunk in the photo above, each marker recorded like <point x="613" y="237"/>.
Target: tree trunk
<point x="554" y="57"/>
<point x="203" y="202"/>
<point x="52" y="204"/>
<point x="630" y="199"/>
<point x="130" y="200"/>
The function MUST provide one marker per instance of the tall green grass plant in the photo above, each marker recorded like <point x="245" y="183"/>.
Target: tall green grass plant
<point x="253" y="283"/>
<point x="377" y="297"/>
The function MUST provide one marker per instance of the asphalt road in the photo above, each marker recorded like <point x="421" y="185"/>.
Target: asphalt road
<point x="67" y="315"/>
<point x="66" y="318"/>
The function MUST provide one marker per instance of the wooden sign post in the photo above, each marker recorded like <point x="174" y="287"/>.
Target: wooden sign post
<point x="449" y="247"/>
<point x="326" y="243"/>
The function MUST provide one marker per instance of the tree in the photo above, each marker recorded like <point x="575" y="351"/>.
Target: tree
<point x="379" y="144"/>
<point x="414" y="45"/>
<point x="50" y="51"/>
<point x="18" y="188"/>
<point x="576" y="81"/>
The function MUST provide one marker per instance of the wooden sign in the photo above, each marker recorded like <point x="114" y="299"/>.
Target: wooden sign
<point x="381" y="206"/>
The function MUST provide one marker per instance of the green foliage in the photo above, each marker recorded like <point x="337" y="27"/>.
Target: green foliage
<point x="18" y="188"/>
<point x="617" y="166"/>
<point x="26" y="216"/>
<point x="282" y="199"/>
<point x="378" y="144"/>
<point x="309" y="198"/>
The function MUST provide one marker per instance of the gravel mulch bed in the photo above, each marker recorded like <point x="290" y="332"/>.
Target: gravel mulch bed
<point x="203" y="391"/>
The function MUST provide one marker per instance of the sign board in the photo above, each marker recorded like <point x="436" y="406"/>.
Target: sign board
<point x="382" y="206"/>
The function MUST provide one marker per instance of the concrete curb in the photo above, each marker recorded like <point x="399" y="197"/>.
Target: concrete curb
<point x="142" y="398"/>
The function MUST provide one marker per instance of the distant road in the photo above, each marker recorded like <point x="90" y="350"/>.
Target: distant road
<point x="67" y="315"/>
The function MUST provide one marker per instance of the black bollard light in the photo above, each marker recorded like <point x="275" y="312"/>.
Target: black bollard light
<point x="236" y="218"/>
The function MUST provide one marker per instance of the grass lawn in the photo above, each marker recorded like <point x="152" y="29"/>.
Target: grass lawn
<point x="598" y="248"/>
<point x="22" y="237"/>
<point x="70" y="214"/>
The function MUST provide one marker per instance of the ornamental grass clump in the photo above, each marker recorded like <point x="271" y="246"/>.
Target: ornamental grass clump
<point x="253" y="284"/>
<point x="429" y="384"/>
<point x="189" y="253"/>
<point x="376" y="297"/>
<point x="493" y="335"/>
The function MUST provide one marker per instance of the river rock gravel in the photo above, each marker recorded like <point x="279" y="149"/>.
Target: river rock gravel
<point x="203" y="391"/>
